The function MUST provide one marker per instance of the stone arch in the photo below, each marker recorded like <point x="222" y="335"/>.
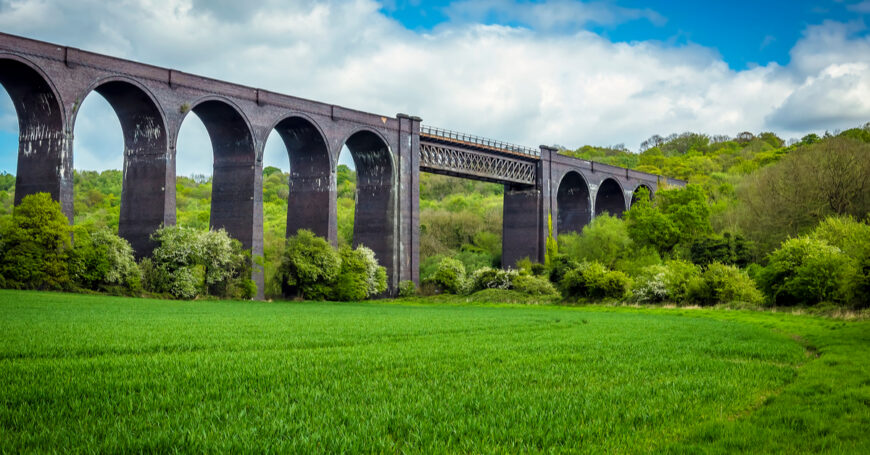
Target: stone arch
<point x="234" y="201"/>
<point x="375" y="222"/>
<point x="311" y="203"/>
<point x="573" y="205"/>
<point x="610" y="198"/>
<point x="44" y="164"/>
<point x="636" y="193"/>
<point x="144" y="205"/>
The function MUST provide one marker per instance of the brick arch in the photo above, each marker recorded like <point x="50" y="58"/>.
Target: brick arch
<point x="610" y="198"/>
<point x="146" y="178"/>
<point x="44" y="164"/>
<point x="375" y="220"/>
<point x="573" y="206"/>
<point x="311" y="202"/>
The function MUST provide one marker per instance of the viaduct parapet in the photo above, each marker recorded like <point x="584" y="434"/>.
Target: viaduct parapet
<point x="47" y="83"/>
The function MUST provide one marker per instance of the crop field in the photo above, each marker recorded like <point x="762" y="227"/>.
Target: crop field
<point x="107" y="374"/>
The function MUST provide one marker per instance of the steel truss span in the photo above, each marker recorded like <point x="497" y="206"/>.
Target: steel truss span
<point x="438" y="158"/>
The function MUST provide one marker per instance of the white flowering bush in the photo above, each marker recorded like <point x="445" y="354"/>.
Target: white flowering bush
<point x="188" y="263"/>
<point x="650" y="285"/>
<point x="490" y="278"/>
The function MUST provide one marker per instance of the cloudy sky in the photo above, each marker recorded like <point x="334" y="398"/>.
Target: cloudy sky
<point x="531" y="72"/>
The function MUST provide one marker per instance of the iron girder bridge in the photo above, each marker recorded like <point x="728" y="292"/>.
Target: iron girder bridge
<point x="463" y="155"/>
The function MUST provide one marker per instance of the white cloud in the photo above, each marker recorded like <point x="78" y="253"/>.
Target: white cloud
<point x="513" y="84"/>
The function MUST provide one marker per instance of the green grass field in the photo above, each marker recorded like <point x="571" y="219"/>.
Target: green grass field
<point x="106" y="374"/>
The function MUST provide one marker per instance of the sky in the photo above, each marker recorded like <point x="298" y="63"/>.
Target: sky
<point x="555" y="72"/>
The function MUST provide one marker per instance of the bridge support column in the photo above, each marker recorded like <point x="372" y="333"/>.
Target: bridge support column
<point x="521" y="224"/>
<point x="409" y="198"/>
<point x="525" y="212"/>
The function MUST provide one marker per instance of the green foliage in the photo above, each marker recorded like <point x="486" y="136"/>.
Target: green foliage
<point x="534" y="285"/>
<point x="605" y="240"/>
<point x="407" y="288"/>
<point x="35" y="246"/>
<point x="593" y="280"/>
<point x="725" y="249"/>
<point x="188" y="263"/>
<point x="490" y="278"/>
<point x="721" y="283"/>
<point x="789" y="198"/>
<point x="101" y="260"/>
<point x="308" y="265"/>
<point x="360" y="276"/>
<point x="806" y="271"/>
<point x="559" y="266"/>
<point x="552" y="247"/>
<point x="449" y="276"/>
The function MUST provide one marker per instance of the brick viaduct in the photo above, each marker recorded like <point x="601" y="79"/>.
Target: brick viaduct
<point x="48" y="82"/>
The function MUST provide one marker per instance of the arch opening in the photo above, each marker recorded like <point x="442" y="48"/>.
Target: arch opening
<point x="311" y="198"/>
<point x="374" y="221"/>
<point x="42" y="164"/>
<point x="234" y="198"/>
<point x="572" y="204"/>
<point x="609" y="199"/>
<point x="637" y="192"/>
<point x="144" y="172"/>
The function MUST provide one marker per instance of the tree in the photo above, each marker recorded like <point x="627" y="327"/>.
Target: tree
<point x="360" y="276"/>
<point x="35" y="245"/>
<point x="101" y="260"/>
<point x="188" y="262"/>
<point x="789" y="198"/>
<point x="308" y="266"/>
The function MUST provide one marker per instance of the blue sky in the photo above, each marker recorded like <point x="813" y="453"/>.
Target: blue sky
<point x="557" y="72"/>
<point x="744" y="32"/>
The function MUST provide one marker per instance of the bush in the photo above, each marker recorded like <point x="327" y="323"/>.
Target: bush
<point x="450" y="276"/>
<point x="490" y="278"/>
<point x="722" y="283"/>
<point x="188" y="263"/>
<point x="308" y="265"/>
<point x="360" y="276"/>
<point x="35" y="246"/>
<point x="678" y="276"/>
<point x="604" y="240"/>
<point x="101" y="260"/>
<point x="561" y="264"/>
<point x="593" y="280"/>
<point x="407" y="288"/>
<point x="806" y="271"/>
<point x="650" y="286"/>
<point x="724" y="249"/>
<point x="534" y="285"/>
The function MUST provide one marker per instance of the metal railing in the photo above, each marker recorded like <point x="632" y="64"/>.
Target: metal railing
<point x="477" y="140"/>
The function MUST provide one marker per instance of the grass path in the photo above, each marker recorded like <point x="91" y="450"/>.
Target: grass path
<point x="93" y="373"/>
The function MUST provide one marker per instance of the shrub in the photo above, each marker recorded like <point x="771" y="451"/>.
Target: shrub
<point x="35" y="245"/>
<point x="407" y="288"/>
<point x="604" y="240"/>
<point x="650" y="286"/>
<point x="678" y="275"/>
<point x="450" y="276"/>
<point x="188" y="262"/>
<point x="806" y="271"/>
<point x="722" y="283"/>
<point x="490" y="278"/>
<point x="593" y="280"/>
<point x="561" y="264"/>
<point x="309" y="263"/>
<point x="101" y="260"/>
<point x="724" y="249"/>
<point x="534" y="285"/>
<point x="360" y="276"/>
